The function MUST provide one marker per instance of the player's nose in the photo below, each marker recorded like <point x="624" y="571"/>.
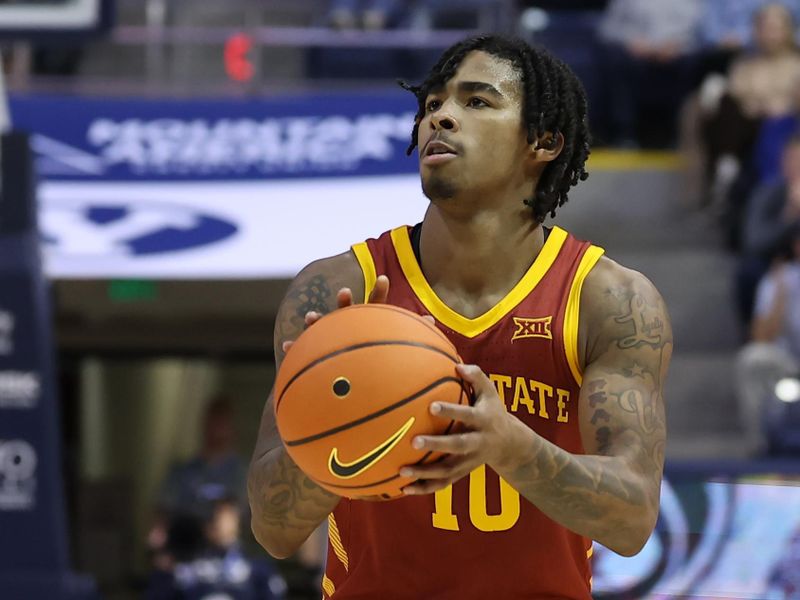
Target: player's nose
<point x="444" y="120"/>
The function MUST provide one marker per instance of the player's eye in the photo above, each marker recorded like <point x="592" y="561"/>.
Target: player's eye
<point x="476" y="102"/>
<point x="432" y="105"/>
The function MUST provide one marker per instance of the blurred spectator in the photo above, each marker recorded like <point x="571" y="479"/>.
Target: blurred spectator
<point x="369" y="14"/>
<point x="762" y="85"/>
<point x="774" y="352"/>
<point x="190" y="489"/>
<point x="773" y="221"/>
<point x="726" y="28"/>
<point x="217" y="471"/>
<point x="206" y="561"/>
<point x="647" y="57"/>
<point x="784" y="580"/>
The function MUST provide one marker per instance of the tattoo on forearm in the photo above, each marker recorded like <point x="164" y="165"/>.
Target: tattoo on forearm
<point x="288" y="499"/>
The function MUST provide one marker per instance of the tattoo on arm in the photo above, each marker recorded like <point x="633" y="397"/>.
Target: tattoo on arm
<point x="285" y="503"/>
<point x="314" y="295"/>
<point x="290" y="501"/>
<point x="306" y="294"/>
<point x="622" y="424"/>
<point x="647" y="327"/>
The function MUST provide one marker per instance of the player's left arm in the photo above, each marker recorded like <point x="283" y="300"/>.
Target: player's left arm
<point x="626" y="346"/>
<point x="610" y="493"/>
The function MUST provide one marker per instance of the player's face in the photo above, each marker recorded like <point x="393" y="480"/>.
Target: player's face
<point x="472" y="135"/>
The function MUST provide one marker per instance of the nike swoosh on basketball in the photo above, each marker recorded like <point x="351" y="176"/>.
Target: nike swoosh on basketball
<point x="348" y="470"/>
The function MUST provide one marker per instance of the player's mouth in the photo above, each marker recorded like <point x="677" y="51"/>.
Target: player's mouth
<point x="437" y="152"/>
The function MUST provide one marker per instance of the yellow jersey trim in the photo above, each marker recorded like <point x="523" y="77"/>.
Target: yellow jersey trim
<point x="336" y="543"/>
<point x="572" y="315"/>
<point x="364" y="258"/>
<point x="447" y="316"/>
<point x="327" y="586"/>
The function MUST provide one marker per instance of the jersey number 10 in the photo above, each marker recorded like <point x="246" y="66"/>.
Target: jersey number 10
<point x="443" y="517"/>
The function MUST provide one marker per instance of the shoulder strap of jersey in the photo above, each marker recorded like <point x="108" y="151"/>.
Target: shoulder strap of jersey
<point x="573" y="308"/>
<point x="364" y="258"/>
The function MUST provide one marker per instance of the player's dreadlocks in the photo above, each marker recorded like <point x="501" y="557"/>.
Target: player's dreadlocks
<point x="555" y="102"/>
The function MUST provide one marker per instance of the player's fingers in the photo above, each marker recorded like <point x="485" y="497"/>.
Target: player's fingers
<point x="380" y="292"/>
<point x="312" y="317"/>
<point x="286" y="345"/>
<point x="454" y="443"/>
<point x="450" y="466"/>
<point x="460" y="412"/>
<point x="473" y="375"/>
<point x="427" y="486"/>
<point x="344" y="297"/>
<point x="429" y="319"/>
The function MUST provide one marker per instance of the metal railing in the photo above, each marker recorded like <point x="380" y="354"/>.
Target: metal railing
<point x="164" y="29"/>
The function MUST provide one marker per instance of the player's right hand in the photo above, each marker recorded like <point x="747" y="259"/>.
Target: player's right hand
<point x="344" y="297"/>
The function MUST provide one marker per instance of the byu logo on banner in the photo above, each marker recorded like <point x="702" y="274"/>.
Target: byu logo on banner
<point x="17" y="475"/>
<point x="6" y="332"/>
<point x="108" y="229"/>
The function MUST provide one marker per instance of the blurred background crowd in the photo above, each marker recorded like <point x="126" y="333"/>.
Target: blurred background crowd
<point x="695" y="112"/>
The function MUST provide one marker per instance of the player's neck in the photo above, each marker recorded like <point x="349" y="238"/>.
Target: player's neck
<point x="480" y="255"/>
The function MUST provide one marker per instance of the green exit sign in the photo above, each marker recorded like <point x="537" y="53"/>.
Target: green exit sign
<point x="132" y="290"/>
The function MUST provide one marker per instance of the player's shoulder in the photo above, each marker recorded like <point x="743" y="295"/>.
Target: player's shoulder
<point x="314" y="289"/>
<point x="611" y="292"/>
<point x="609" y="276"/>
<point x="338" y="266"/>
<point x="324" y="277"/>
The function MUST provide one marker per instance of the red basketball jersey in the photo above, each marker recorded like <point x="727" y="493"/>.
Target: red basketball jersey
<point x="478" y="538"/>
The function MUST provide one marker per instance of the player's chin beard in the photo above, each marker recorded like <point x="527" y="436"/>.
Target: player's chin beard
<point x="437" y="188"/>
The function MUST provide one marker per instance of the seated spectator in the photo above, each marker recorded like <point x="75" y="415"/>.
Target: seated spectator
<point x="774" y="352"/>
<point x="206" y="561"/>
<point x="369" y="14"/>
<point x="191" y="488"/>
<point x="761" y="85"/>
<point x="773" y="221"/>
<point x="726" y="29"/>
<point x="647" y="52"/>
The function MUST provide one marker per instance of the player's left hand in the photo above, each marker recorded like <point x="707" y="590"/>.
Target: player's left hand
<point x="488" y="437"/>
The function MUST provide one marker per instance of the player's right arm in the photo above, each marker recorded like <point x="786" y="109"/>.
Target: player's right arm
<point x="286" y="506"/>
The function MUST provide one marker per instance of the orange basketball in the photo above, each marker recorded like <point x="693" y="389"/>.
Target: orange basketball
<point x="354" y="390"/>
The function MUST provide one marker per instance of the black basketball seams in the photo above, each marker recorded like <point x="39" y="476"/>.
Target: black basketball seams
<point x="375" y="415"/>
<point x="354" y="348"/>
<point x="399" y="310"/>
<point x="356" y="487"/>
<point x="421" y="461"/>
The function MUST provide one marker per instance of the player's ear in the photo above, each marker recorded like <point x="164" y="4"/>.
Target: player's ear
<point x="547" y="146"/>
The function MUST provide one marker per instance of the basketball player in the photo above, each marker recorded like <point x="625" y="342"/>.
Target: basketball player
<point x="566" y="350"/>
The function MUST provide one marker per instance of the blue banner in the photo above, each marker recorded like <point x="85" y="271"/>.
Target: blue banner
<point x="33" y="545"/>
<point x="78" y="138"/>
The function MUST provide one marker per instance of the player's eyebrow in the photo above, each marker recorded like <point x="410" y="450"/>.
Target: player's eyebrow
<point x="479" y="86"/>
<point x="470" y="86"/>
